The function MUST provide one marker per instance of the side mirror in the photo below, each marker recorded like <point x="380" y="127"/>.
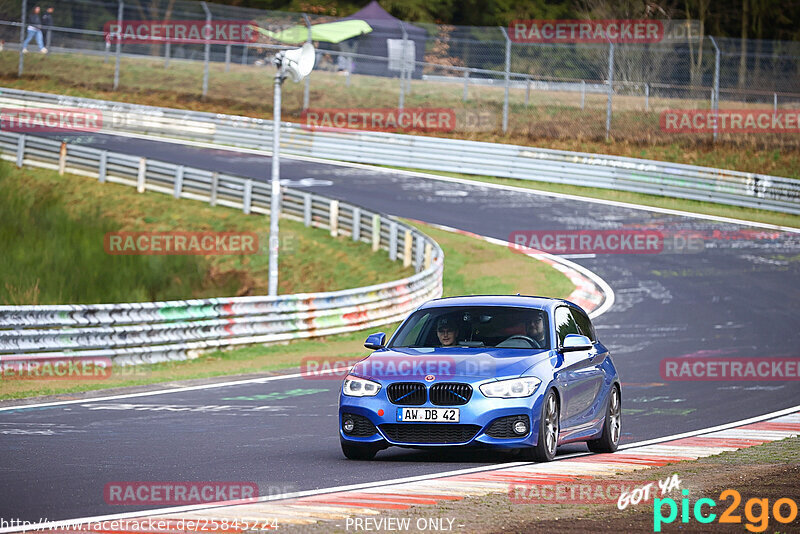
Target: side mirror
<point x="375" y="341"/>
<point x="576" y="342"/>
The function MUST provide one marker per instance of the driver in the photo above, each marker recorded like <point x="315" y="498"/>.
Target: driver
<point x="534" y="328"/>
<point x="446" y="331"/>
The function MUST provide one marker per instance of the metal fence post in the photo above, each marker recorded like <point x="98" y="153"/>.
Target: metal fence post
<point x="247" y="197"/>
<point x="356" y="233"/>
<point x="22" y="37"/>
<point x="647" y="97"/>
<point x="376" y="232"/>
<point x="103" y="169"/>
<point x="775" y="103"/>
<point x="212" y="196"/>
<point x="307" y="209"/>
<point x="207" y="51"/>
<point x="527" y="91"/>
<point x="140" y="179"/>
<point x="408" y="242"/>
<point x="178" y="187"/>
<point x="333" y="220"/>
<point x="583" y="94"/>
<point x="418" y="254"/>
<point x="118" y="53"/>
<point x="227" y="57"/>
<point x="401" y="103"/>
<point x="715" y="103"/>
<point x="466" y="85"/>
<point x="62" y="159"/>
<point x="393" y="241"/>
<point x="245" y="49"/>
<point x="307" y="81"/>
<point x="20" y="150"/>
<point x="167" y="50"/>
<point x="508" y="79"/>
<point x="610" y="88"/>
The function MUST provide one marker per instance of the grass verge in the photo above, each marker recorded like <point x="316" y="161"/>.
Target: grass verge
<point x="52" y="228"/>
<point x="553" y="119"/>
<point x="769" y="471"/>
<point x="472" y="266"/>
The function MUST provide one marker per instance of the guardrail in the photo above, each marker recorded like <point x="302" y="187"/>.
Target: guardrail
<point x="721" y="186"/>
<point x="148" y="332"/>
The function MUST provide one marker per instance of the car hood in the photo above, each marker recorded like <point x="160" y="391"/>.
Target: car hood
<point x="443" y="363"/>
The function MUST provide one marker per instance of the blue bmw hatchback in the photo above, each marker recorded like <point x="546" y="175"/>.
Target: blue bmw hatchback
<point x="506" y="372"/>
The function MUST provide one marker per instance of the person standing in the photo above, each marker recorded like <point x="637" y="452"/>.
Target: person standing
<point x="47" y="20"/>
<point x="35" y="30"/>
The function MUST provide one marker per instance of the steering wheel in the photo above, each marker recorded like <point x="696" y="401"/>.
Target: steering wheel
<point x="532" y="341"/>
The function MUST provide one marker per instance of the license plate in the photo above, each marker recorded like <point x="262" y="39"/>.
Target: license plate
<point x="427" y="415"/>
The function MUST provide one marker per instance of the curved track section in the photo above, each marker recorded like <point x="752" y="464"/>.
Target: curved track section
<point x="734" y="299"/>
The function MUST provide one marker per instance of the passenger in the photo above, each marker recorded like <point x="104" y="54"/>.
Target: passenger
<point x="446" y="331"/>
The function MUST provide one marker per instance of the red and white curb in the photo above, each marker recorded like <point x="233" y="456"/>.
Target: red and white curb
<point x="591" y="292"/>
<point x="374" y="500"/>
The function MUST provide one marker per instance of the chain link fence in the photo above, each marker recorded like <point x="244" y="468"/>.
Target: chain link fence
<point x="492" y="84"/>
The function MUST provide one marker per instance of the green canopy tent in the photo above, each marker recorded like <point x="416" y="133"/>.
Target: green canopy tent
<point x="329" y="32"/>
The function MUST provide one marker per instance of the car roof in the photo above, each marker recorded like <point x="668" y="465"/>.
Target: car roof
<point x="521" y="301"/>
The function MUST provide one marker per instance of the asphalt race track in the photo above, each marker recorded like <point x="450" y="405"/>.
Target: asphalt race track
<point x="734" y="298"/>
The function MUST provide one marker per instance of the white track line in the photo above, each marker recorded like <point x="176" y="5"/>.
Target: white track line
<point x="337" y="489"/>
<point x="464" y="181"/>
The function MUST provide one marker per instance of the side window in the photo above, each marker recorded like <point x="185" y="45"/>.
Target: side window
<point x="565" y="324"/>
<point x="584" y="324"/>
<point x="414" y="335"/>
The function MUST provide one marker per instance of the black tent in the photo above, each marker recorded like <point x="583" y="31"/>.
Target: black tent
<point x="384" y="27"/>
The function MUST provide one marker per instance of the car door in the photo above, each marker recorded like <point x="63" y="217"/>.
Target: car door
<point x="578" y="376"/>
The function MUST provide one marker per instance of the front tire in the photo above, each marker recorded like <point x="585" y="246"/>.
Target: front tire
<point x="549" y="426"/>
<point x="612" y="426"/>
<point x="358" y="451"/>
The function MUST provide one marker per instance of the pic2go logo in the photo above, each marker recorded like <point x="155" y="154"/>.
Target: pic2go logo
<point x="783" y="510"/>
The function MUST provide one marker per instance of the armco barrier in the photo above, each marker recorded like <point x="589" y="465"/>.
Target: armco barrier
<point x="452" y="155"/>
<point x="149" y="332"/>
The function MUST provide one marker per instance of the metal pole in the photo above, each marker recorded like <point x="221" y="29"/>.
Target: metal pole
<point x="508" y="79"/>
<point x="715" y="103"/>
<point x="307" y="88"/>
<point x="167" y="50"/>
<point x="775" y="103"/>
<point x="583" y="94"/>
<point x="120" y="10"/>
<point x="227" y="57"/>
<point x="275" y="202"/>
<point x="244" y="54"/>
<point x="647" y="97"/>
<point x="527" y="91"/>
<point x="207" y="51"/>
<point x="466" y="85"/>
<point x="22" y="36"/>
<point x="403" y="67"/>
<point x="610" y="88"/>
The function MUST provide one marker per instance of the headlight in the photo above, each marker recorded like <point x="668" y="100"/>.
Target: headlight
<point x="360" y="387"/>
<point x="510" y="389"/>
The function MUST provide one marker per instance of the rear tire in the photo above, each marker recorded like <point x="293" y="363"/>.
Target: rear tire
<point x="549" y="426"/>
<point x="612" y="426"/>
<point x="359" y="452"/>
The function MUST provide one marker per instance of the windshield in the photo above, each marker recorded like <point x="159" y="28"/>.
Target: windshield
<point x="478" y="326"/>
